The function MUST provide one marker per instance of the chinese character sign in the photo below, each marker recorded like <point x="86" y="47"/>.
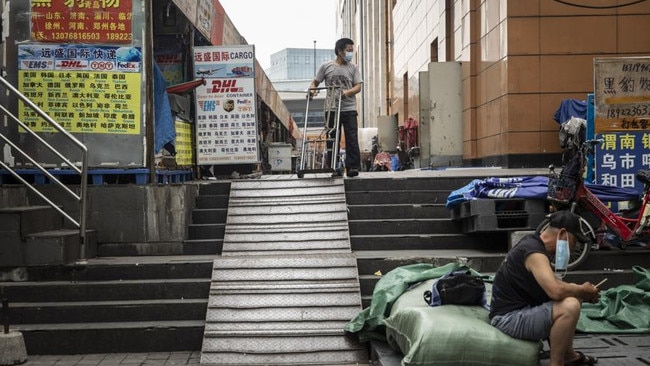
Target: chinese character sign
<point x="226" y="124"/>
<point x="87" y="89"/>
<point x="622" y="94"/>
<point x="620" y="156"/>
<point x="82" y="21"/>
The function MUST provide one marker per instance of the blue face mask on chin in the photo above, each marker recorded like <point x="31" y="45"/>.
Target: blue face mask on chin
<point x="562" y="254"/>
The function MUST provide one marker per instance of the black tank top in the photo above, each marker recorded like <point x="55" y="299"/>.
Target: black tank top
<point x="514" y="287"/>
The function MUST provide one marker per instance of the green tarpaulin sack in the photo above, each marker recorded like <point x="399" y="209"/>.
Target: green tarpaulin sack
<point x="621" y="309"/>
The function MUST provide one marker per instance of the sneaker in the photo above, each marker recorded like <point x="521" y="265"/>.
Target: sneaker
<point x="353" y="173"/>
<point x="337" y="173"/>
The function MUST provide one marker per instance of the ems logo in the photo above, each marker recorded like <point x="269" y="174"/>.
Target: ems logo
<point x="36" y="65"/>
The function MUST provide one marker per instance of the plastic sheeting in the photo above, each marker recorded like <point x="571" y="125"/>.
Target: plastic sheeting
<point x="164" y="129"/>
<point x="621" y="309"/>
<point x="529" y="187"/>
<point x="369" y="322"/>
<point x="570" y="108"/>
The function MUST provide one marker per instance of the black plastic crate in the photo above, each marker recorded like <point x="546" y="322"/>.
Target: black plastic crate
<point x="499" y="214"/>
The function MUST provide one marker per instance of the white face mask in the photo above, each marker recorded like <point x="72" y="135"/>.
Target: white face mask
<point x="562" y="254"/>
<point x="348" y="56"/>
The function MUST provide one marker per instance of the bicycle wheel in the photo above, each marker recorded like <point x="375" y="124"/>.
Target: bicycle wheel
<point x="581" y="250"/>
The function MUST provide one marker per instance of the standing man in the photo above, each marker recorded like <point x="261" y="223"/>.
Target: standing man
<point x="344" y="77"/>
<point x="529" y="302"/>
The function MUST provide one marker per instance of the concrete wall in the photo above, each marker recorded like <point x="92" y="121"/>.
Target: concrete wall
<point x="122" y="213"/>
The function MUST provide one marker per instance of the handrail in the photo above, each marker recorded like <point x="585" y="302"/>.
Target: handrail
<point x="83" y="171"/>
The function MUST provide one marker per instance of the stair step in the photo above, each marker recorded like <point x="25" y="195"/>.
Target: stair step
<point x="112" y="337"/>
<point x="209" y="215"/>
<point x="488" y="241"/>
<point x="397" y="211"/>
<point x="107" y="311"/>
<point x="202" y="246"/>
<point x="106" y="290"/>
<point x="29" y="219"/>
<point x="281" y="350"/>
<point x="403" y="226"/>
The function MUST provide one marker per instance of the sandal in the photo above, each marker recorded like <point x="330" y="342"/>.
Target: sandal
<point x="582" y="360"/>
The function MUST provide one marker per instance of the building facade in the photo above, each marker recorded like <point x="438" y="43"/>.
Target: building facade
<point x="519" y="60"/>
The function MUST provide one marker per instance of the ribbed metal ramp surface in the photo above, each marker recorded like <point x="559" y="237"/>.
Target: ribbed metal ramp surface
<point x="287" y="281"/>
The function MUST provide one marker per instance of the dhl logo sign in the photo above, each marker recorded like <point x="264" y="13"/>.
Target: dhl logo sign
<point x="71" y="64"/>
<point x="225" y="86"/>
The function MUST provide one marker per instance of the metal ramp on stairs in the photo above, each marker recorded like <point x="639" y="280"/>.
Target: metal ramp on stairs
<point x="287" y="281"/>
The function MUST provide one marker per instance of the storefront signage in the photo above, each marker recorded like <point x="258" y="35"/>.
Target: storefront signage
<point x="226" y="123"/>
<point x="85" y="21"/>
<point x="620" y="156"/>
<point x="621" y="120"/>
<point x="89" y="89"/>
<point x="622" y="94"/>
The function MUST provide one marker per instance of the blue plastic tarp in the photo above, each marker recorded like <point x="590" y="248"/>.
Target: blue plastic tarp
<point x="570" y="108"/>
<point x="164" y="129"/>
<point x="529" y="187"/>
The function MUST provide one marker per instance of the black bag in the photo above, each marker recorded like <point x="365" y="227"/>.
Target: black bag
<point x="457" y="288"/>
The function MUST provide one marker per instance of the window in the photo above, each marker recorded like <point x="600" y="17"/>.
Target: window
<point x="295" y="59"/>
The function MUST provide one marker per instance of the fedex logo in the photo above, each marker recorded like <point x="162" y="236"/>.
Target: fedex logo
<point x="128" y="66"/>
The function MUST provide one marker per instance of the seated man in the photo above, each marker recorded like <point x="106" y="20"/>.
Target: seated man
<point x="529" y="302"/>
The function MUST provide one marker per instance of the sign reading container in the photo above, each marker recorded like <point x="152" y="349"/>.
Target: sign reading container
<point x="622" y="116"/>
<point x="226" y="123"/>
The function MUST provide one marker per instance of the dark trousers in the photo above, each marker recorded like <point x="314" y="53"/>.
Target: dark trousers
<point x="348" y="121"/>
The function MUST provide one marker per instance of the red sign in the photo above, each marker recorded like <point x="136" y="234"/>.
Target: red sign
<point x="82" y="21"/>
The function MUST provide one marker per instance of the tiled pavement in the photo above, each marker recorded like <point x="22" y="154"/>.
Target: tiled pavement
<point x="118" y="359"/>
<point x="612" y="350"/>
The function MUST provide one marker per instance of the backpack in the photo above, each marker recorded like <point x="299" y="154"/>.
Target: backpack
<point x="458" y="287"/>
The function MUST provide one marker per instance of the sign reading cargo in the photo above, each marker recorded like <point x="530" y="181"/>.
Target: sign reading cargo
<point x="76" y="21"/>
<point x="622" y="94"/>
<point x="226" y="127"/>
<point x="90" y="89"/>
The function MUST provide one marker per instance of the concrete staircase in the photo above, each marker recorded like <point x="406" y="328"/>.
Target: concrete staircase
<point x="125" y="304"/>
<point x="395" y="222"/>
<point x="287" y="282"/>
<point x="36" y="235"/>
<point x="159" y="303"/>
<point x="205" y="233"/>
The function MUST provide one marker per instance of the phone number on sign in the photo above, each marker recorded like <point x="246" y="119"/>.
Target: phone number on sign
<point x="63" y="36"/>
<point x="636" y="111"/>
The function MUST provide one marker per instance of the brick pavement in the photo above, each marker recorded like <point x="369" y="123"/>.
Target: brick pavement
<point x="117" y="359"/>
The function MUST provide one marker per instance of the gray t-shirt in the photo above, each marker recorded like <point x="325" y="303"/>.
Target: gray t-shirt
<point x="345" y="76"/>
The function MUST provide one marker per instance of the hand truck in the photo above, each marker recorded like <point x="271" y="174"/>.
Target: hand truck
<point x="314" y="151"/>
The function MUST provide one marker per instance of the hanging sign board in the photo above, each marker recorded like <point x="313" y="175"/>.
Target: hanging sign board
<point x="89" y="89"/>
<point x="622" y="94"/>
<point x="621" y="120"/>
<point x="226" y="123"/>
<point x="91" y="22"/>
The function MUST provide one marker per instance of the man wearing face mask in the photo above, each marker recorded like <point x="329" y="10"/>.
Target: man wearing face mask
<point x="342" y="74"/>
<point x="529" y="302"/>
